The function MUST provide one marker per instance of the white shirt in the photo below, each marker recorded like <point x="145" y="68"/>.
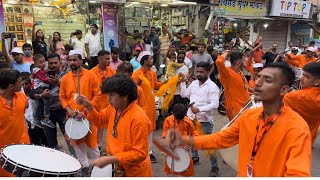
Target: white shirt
<point x="94" y="43"/>
<point x="183" y="69"/>
<point x="78" y="45"/>
<point x="29" y="113"/>
<point x="206" y="98"/>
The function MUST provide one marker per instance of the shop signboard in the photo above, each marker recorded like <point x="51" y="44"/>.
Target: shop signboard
<point x="110" y="26"/>
<point x="248" y="8"/>
<point x="291" y="8"/>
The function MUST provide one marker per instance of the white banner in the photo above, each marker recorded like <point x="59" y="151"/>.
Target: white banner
<point x="291" y="8"/>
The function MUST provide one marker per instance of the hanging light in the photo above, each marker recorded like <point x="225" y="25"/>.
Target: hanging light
<point x="266" y="25"/>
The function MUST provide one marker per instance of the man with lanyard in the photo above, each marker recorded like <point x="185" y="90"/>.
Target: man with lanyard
<point x="274" y="141"/>
<point x="87" y="147"/>
<point x="306" y="100"/>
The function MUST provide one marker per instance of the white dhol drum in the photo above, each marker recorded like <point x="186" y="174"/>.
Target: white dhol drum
<point x="182" y="164"/>
<point x="107" y="171"/>
<point x="36" y="161"/>
<point x="77" y="129"/>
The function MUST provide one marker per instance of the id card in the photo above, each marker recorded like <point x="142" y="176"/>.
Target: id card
<point x="249" y="170"/>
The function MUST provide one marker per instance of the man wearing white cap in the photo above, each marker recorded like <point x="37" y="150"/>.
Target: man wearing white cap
<point x="17" y="63"/>
<point x="146" y="78"/>
<point x="87" y="147"/>
<point x="257" y="67"/>
<point x="302" y="59"/>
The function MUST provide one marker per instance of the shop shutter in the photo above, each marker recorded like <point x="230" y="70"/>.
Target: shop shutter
<point x="276" y="32"/>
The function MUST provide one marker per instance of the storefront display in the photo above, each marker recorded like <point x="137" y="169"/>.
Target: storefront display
<point x="137" y="18"/>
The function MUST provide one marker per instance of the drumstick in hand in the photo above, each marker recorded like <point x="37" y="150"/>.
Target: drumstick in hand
<point x="78" y="77"/>
<point x="160" y="145"/>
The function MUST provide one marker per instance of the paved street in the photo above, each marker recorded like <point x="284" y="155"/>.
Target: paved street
<point x="203" y="169"/>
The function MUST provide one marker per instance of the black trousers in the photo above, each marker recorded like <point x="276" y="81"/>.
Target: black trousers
<point x="57" y="117"/>
<point x="93" y="62"/>
<point x="37" y="136"/>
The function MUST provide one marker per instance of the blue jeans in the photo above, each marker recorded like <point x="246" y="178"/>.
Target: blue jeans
<point x="207" y="128"/>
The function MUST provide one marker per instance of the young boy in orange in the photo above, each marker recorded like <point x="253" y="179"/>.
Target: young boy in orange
<point x="306" y="102"/>
<point x="185" y="126"/>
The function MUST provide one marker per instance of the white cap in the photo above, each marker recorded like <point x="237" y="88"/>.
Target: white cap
<point x="17" y="50"/>
<point x="312" y="49"/>
<point x="142" y="54"/>
<point x="258" y="65"/>
<point x="73" y="52"/>
<point x="295" y="48"/>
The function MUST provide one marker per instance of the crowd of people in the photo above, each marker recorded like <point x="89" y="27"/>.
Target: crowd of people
<point x="44" y="85"/>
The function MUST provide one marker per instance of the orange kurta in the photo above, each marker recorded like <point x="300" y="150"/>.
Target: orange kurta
<point x="90" y="88"/>
<point x="108" y="72"/>
<point x="285" y="149"/>
<point x="131" y="145"/>
<point x="234" y="88"/>
<point x="185" y="128"/>
<point x="251" y="83"/>
<point x="306" y="102"/>
<point x="300" y="60"/>
<point x="150" y="105"/>
<point x="249" y="66"/>
<point x="257" y="56"/>
<point x="13" y="129"/>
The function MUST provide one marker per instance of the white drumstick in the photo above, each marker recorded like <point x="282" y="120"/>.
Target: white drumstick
<point x="86" y="125"/>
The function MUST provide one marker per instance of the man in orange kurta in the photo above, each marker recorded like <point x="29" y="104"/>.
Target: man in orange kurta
<point x="257" y="67"/>
<point x="302" y="59"/>
<point x="184" y="126"/>
<point x="103" y="71"/>
<point x="306" y="101"/>
<point x="234" y="83"/>
<point x="146" y="78"/>
<point x="13" y="104"/>
<point x="127" y="125"/>
<point x="89" y="87"/>
<point x="273" y="139"/>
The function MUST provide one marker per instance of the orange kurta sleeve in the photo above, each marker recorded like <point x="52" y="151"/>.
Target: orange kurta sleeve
<point x="100" y="119"/>
<point x="141" y="98"/>
<point x="249" y="66"/>
<point x="294" y="60"/>
<point x="306" y="103"/>
<point x="222" y="68"/>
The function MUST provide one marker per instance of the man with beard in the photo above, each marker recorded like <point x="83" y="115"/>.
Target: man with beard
<point x="274" y="141"/>
<point x="155" y="42"/>
<point x="13" y="104"/>
<point x="270" y="55"/>
<point x="204" y="93"/>
<point x="306" y="100"/>
<point x="146" y="78"/>
<point x="103" y="71"/>
<point x="234" y="82"/>
<point x="201" y="56"/>
<point x="85" y="148"/>
<point x="92" y="45"/>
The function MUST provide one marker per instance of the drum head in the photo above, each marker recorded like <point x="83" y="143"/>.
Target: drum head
<point x="182" y="164"/>
<point x="76" y="129"/>
<point x="106" y="171"/>
<point x="230" y="156"/>
<point x="42" y="158"/>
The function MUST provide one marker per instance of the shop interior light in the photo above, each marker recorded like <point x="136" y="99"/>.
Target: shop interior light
<point x="265" y="25"/>
<point x="235" y="24"/>
<point x="164" y="5"/>
<point x="92" y="1"/>
<point x="176" y="2"/>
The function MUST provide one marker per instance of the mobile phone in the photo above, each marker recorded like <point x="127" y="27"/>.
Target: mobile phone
<point x="51" y="73"/>
<point x="9" y="35"/>
<point x="50" y="37"/>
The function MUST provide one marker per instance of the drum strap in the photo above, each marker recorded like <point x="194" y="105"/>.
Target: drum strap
<point x="257" y="140"/>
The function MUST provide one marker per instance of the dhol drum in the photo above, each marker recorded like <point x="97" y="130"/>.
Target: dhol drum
<point x="230" y="155"/>
<point x="37" y="161"/>
<point x="76" y="129"/>
<point x="107" y="171"/>
<point x="182" y="164"/>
